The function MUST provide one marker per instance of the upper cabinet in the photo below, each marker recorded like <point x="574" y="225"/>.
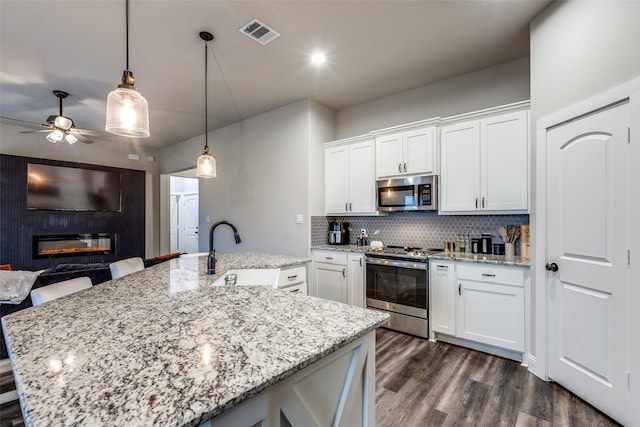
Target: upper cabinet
<point x="407" y="150"/>
<point x="484" y="163"/>
<point x="350" y="182"/>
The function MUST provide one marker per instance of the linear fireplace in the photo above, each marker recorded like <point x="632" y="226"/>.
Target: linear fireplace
<point x="72" y="245"/>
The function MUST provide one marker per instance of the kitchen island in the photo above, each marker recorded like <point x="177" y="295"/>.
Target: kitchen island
<point x="163" y="346"/>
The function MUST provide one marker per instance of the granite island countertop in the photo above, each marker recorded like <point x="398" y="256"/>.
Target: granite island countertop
<point x="164" y="347"/>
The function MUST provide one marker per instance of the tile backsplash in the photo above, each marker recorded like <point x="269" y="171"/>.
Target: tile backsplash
<point x="422" y="229"/>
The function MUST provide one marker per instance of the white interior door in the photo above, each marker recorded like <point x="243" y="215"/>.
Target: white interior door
<point x="190" y="221"/>
<point x="173" y="223"/>
<point x="588" y="238"/>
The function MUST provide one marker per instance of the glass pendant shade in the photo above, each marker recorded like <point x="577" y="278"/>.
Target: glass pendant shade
<point x="71" y="139"/>
<point x="55" y="136"/>
<point x="206" y="165"/>
<point x="127" y="113"/>
<point x="63" y="122"/>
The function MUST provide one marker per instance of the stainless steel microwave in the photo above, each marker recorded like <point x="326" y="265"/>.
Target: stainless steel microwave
<point x="418" y="193"/>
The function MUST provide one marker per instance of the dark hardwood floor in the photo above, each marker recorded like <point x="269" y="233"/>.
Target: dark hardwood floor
<point x="420" y="383"/>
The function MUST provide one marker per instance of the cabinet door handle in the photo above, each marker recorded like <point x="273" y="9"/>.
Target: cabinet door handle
<point x="329" y="258"/>
<point x="483" y="203"/>
<point x="344" y="272"/>
<point x="295" y="291"/>
<point x="443" y="266"/>
<point x="360" y="262"/>
<point x="400" y="167"/>
<point x="405" y="167"/>
<point x="459" y="288"/>
<point x="346" y="207"/>
<point x="476" y="203"/>
<point x="294" y="277"/>
<point x="488" y="275"/>
<point x="350" y="207"/>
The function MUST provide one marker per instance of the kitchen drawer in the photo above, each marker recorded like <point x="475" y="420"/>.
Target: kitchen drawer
<point x="292" y="276"/>
<point x="300" y="289"/>
<point x="330" y="257"/>
<point x="513" y="276"/>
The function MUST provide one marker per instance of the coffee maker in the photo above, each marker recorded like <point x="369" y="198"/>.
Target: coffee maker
<point x="338" y="233"/>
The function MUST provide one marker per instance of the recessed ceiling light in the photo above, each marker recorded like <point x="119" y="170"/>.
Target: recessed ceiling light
<point x="318" y="58"/>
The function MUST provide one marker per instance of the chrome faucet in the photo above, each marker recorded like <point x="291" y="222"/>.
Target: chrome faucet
<point x="211" y="259"/>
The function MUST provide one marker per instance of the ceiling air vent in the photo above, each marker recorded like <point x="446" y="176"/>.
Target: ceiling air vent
<point x="259" y="32"/>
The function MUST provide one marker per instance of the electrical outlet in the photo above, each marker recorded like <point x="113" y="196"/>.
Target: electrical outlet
<point x="299" y="219"/>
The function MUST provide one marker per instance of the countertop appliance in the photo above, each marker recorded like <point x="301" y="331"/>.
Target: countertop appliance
<point x="417" y="193"/>
<point x="338" y="233"/>
<point x="397" y="282"/>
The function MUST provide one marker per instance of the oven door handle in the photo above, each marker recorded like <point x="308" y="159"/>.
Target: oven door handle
<point x="397" y="263"/>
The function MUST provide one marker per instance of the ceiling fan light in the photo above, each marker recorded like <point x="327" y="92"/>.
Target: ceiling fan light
<point x="55" y="136"/>
<point x="63" y="122"/>
<point x="127" y="113"/>
<point x="206" y="165"/>
<point x="70" y="138"/>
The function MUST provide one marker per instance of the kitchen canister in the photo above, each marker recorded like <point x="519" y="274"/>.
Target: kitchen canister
<point x="476" y="245"/>
<point x="498" y="248"/>
<point x="486" y="243"/>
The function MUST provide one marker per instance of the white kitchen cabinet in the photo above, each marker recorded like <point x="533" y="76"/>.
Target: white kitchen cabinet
<point x="442" y="297"/>
<point x="355" y="279"/>
<point x="339" y="276"/>
<point x="490" y="305"/>
<point x="293" y="279"/>
<point x="350" y="177"/>
<point x="408" y="151"/>
<point x="484" y="164"/>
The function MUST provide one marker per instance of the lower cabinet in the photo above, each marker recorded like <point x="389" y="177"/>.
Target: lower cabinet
<point x="338" y="276"/>
<point x="293" y="279"/>
<point x="442" y="298"/>
<point x="330" y="281"/>
<point x="482" y="303"/>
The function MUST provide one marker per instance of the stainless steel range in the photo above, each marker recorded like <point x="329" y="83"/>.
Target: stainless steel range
<point x="397" y="281"/>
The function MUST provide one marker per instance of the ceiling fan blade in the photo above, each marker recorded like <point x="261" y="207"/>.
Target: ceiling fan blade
<point x="83" y="139"/>
<point x="88" y="132"/>
<point x="36" y="131"/>
<point x="32" y="124"/>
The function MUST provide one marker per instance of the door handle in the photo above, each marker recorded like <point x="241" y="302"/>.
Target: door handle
<point x="346" y="207"/>
<point x="483" y="203"/>
<point x="459" y="288"/>
<point x="350" y="208"/>
<point x="405" y="167"/>
<point x="344" y="272"/>
<point x="294" y="277"/>
<point x="476" y="203"/>
<point x="551" y="267"/>
<point x="360" y="262"/>
<point x="400" y="167"/>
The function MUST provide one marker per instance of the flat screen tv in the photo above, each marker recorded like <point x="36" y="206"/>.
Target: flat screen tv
<point x="72" y="189"/>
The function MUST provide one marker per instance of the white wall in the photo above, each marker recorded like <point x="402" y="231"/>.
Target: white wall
<point x="180" y="185"/>
<point x="578" y="49"/>
<point x="322" y="129"/>
<point x="489" y="87"/>
<point x="262" y="183"/>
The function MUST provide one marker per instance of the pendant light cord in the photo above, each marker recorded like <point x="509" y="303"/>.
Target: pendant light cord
<point x="127" y="32"/>
<point x="206" y="97"/>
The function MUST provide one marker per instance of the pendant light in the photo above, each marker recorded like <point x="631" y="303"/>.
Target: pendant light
<point x="127" y="110"/>
<point x="206" y="165"/>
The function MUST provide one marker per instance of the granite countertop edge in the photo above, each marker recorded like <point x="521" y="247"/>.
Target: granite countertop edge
<point x="483" y="259"/>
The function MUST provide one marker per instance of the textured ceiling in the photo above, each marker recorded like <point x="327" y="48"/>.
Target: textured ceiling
<point x="374" y="49"/>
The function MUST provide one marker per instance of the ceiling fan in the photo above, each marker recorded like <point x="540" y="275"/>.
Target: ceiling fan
<point x="61" y="127"/>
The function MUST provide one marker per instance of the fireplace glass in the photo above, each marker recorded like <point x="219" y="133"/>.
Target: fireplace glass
<point x="72" y="245"/>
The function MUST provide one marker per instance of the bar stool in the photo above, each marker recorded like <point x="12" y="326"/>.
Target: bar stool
<point x="126" y="266"/>
<point x="60" y="289"/>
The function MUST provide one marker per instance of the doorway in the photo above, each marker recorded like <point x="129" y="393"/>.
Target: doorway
<point x="183" y="213"/>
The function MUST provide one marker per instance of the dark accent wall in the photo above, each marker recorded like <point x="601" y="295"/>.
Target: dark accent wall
<point x="18" y="224"/>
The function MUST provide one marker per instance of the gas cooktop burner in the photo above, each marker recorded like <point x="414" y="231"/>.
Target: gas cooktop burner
<point x="403" y="252"/>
